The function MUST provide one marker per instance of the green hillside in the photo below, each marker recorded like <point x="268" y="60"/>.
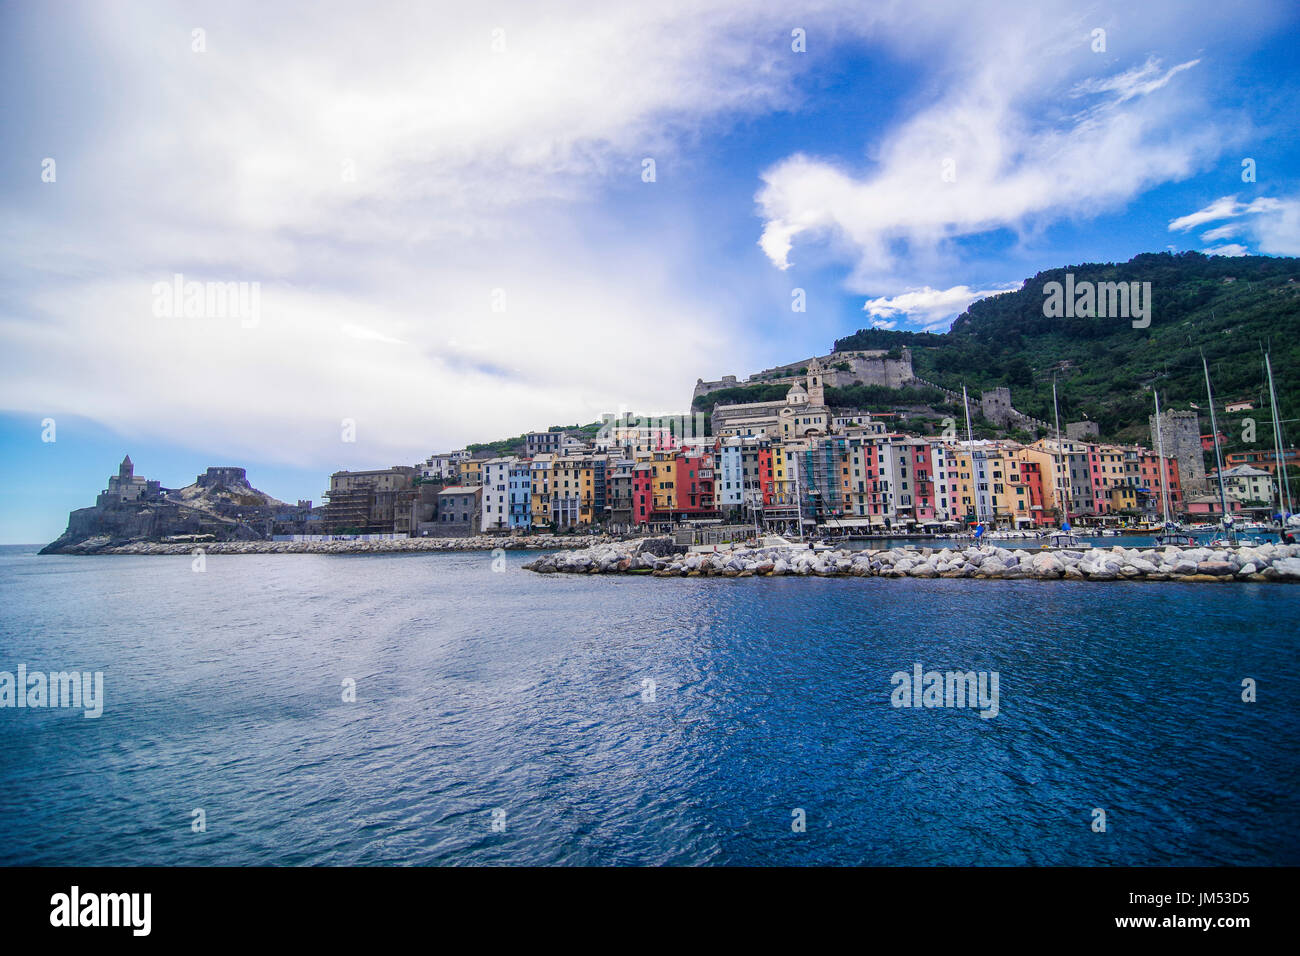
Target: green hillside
<point x="1229" y="307"/>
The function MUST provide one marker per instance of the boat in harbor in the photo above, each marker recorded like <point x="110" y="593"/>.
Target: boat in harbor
<point x="1065" y="541"/>
<point x="1064" y="537"/>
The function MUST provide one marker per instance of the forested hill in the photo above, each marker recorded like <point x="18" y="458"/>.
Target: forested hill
<point x="1229" y="307"/>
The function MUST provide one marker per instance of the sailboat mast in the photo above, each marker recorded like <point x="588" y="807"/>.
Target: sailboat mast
<point x="798" y="493"/>
<point x="1214" y="431"/>
<point x="1160" y="453"/>
<point x="966" y="404"/>
<point x="970" y="446"/>
<point x="1285" y="484"/>
<point x="1059" y="459"/>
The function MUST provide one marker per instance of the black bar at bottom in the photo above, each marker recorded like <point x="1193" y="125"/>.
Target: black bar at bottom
<point x="333" y="906"/>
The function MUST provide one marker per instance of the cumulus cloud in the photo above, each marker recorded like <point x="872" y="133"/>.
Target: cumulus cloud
<point x="1029" y="128"/>
<point x="933" y="309"/>
<point x="1272" y="225"/>
<point x="419" y="192"/>
<point x="424" y="194"/>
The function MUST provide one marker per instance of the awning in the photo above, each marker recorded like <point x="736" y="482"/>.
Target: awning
<point x="847" y="523"/>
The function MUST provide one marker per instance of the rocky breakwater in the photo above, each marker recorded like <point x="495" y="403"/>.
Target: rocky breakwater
<point x="1268" y="562"/>
<point x="389" y="546"/>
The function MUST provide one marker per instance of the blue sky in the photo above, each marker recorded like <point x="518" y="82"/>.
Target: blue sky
<point x="445" y="213"/>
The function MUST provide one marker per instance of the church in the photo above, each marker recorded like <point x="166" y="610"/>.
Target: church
<point x="802" y="413"/>
<point x="125" y="487"/>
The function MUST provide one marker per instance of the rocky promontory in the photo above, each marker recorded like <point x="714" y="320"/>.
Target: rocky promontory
<point x="220" y="505"/>
<point x="1266" y="562"/>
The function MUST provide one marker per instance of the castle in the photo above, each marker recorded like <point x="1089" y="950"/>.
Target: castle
<point x="839" y="370"/>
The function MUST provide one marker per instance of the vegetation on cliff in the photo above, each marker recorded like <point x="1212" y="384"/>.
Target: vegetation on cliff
<point x="1227" y="307"/>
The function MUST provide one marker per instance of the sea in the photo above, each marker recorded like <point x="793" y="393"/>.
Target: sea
<point x="454" y="709"/>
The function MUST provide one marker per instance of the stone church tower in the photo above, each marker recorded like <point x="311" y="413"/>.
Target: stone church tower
<point x="816" y="384"/>
<point x="126" y="470"/>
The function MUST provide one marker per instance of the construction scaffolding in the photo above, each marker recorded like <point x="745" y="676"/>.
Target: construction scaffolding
<point x="820" y="473"/>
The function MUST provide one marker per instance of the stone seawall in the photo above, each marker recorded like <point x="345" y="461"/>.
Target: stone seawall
<point x="1269" y="562"/>
<point x="397" y="546"/>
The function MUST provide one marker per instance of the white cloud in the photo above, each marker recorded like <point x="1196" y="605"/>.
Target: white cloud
<point x="1225" y="207"/>
<point x="1139" y="81"/>
<point x="1221" y="232"/>
<point x="931" y="308"/>
<point x="380" y="175"/>
<point x="1018" y="159"/>
<point x="380" y="178"/>
<point x="1272" y="225"/>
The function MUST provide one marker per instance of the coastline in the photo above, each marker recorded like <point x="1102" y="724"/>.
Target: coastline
<point x="1262" y="563"/>
<point x="396" y="546"/>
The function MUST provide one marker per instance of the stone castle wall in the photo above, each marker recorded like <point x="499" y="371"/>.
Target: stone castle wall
<point x="864" y="367"/>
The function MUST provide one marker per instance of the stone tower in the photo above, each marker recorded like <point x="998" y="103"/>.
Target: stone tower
<point x="126" y="470"/>
<point x="816" y="383"/>
<point x="1180" y="433"/>
<point x="995" y="404"/>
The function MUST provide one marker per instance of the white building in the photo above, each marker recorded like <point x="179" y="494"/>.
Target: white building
<point x="1248" y="484"/>
<point x="495" y="478"/>
<point x="444" y="466"/>
<point x="728" y="488"/>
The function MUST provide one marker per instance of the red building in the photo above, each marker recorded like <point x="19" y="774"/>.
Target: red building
<point x="643" y="494"/>
<point x="765" y="484"/>
<point x="693" y="482"/>
<point x="923" y="478"/>
<point x="1031" y="477"/>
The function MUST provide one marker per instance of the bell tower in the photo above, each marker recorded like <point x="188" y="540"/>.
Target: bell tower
<point x="816" y="387"/>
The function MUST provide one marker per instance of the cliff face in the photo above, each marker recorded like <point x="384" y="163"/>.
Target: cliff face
<point x="229" y="511"/>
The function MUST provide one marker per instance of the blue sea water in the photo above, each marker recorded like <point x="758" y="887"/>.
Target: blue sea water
<point x="481" y="690"/>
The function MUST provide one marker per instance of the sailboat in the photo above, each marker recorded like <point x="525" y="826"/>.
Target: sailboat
<point x="1173" y="535"/>
<point x="1229" y="539"/>
<point x="978" y="534"/>
<point x="1287" y="519"/>
<point x="1064" y="537"/>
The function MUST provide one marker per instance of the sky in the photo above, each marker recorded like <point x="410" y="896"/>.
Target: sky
<point x="455" y="225"/>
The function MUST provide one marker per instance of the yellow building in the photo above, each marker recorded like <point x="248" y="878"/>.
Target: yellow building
<point x="566" y="491"/>
<point x="587" y="514"/>
<point x="663" y="471"/>
<point x="471" y="472"/>
<point x="1054" y="476"/>
<point x="959" y="482"/>
<point x="1123" y="498"/>
<point x="541" y="475"/>
<point x="785" y="471"/>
